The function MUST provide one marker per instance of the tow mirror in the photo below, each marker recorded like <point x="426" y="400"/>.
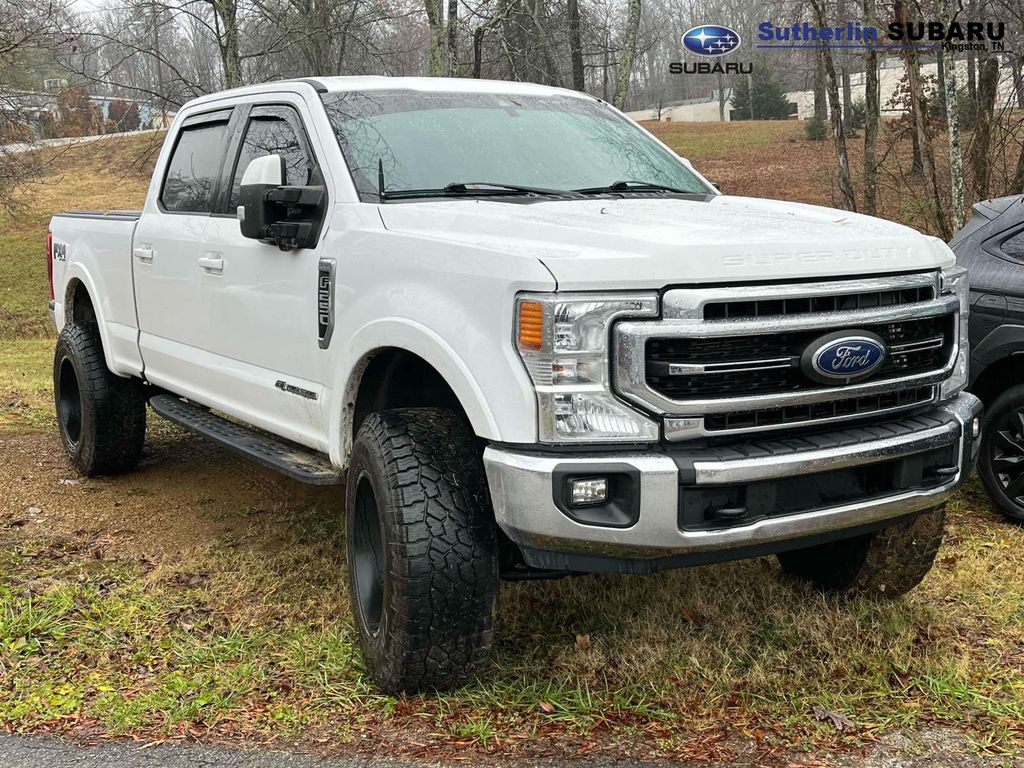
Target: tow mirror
<point x="288" y="217"/>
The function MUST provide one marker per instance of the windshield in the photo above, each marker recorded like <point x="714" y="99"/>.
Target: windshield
<point x="426" y="141"/>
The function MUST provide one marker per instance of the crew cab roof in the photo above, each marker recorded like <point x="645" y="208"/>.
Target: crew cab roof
<point x="380" y="83"/>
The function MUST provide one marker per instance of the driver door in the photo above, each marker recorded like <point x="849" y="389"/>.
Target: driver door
<point x="260" y="302"/>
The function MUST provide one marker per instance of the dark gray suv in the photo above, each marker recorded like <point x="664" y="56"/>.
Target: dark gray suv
<point x="991" y="246"/>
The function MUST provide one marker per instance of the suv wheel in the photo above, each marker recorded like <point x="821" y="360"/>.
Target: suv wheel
<point x="101" y="416"/>
<point x="885" y="563"/>
<point x="422" y="549"/>
<point x="1001" y="459"/>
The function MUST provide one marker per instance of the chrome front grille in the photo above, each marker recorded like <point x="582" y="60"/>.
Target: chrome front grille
<point x="683" y="368"/>
<point x="710" y="371"/>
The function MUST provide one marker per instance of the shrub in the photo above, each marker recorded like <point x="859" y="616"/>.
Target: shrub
<point x="816" y="128"/>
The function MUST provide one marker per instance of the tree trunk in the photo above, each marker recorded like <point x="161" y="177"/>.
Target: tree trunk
<point x="872" y="114"/>
<point x="453" y="38"/>
<point x="820" y="104"/>
<point x="1018" y="80"/>
<point x="572" y="9"/>
<point x="972" y="77"/>
<point x="838" y="133"/>
<point x="988" y="80"/>
<point x="1017" y="185"/>
<point x="438" y="62"/>
<point x="539" y="16"/>
<point x="956" y="165"/>
<point x="226" y="13"/>
<point x="721" y="97"/>
<point x="628" y="54"/>
<point x="917" y="110"/>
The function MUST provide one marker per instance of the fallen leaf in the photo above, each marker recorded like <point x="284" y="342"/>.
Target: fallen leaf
<point x="840" y="721"/>
<point x="547" y="707"/>
<point x="583" y="641"/>
<point x="69" y="481"/>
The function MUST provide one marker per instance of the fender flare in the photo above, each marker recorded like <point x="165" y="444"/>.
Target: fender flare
<point x="418" y="339"/>
<point x="1004" y="341"/>
<point x="76" y="273"/>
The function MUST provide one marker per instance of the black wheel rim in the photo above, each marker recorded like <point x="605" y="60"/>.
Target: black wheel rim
<point x="69" y="400"/>
<point x="368" y="555"/>
<point x="1007" y="454"/>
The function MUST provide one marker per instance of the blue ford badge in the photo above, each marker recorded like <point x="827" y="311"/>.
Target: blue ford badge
<point x="844" y="356"/>
<point x="711" y="40"/>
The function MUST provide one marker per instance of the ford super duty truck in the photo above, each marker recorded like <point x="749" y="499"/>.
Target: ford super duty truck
<point x="528" y="338"/>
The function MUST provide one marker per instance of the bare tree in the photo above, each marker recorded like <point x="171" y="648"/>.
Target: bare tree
<point x="628" y="54"/>
<point x="838" y="130"/>
<point x="872" y="115"/>
<point x="26" y="28"/>
<point x="956" y="167"/>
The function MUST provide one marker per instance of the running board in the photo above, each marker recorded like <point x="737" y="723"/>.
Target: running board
<point x="295" y="461"/>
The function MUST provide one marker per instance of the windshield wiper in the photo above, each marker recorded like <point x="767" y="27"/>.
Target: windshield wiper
<point x="471" y="189"/>
<point x="635" y="186"/>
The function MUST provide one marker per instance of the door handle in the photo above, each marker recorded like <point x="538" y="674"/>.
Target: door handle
<point x="212" y="262"/>
<point x="143" y="254"/>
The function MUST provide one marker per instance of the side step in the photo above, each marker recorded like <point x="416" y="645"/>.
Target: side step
<point x="295" y="461"/>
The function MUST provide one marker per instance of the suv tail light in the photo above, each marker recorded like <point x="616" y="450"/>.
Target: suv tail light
<point x="49" y="261"/>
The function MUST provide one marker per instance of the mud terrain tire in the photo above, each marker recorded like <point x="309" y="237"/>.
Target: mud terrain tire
<point x="885" y="563"/>
<point x="101" y="417"/>
<point x="422" y="549"/>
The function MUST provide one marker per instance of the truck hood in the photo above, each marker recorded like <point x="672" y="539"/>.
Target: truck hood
<point x="648" y="243"/>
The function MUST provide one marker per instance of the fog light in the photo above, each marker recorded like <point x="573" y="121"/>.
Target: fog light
<point x="586" y="492"/>
<point x="976" y="428"/>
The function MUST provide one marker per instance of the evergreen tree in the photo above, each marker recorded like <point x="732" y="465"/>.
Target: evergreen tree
<point x="763" y="88"/>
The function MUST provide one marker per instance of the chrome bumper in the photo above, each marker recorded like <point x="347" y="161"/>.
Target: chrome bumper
<point x="523" y="493"/>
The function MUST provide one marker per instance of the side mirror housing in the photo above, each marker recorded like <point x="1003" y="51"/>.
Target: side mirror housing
<point x="288" y="217"/>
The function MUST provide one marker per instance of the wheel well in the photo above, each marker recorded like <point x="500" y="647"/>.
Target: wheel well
<point x="396" y="378"/>
<point x="78" y="304"/>
<point x="998" y="377"/>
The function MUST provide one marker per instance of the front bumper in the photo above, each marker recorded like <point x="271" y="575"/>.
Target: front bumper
<point x="903" y="467"/>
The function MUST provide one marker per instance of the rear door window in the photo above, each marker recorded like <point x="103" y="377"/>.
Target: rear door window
<point x="194" y="168"/>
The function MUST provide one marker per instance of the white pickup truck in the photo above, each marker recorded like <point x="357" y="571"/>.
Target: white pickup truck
<point x="528" y="338"/>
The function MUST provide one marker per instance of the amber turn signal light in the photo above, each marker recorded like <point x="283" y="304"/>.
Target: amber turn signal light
<point x="531" y="325"/>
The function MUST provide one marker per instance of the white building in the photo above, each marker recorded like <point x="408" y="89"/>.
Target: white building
<point x="890" y="74"/>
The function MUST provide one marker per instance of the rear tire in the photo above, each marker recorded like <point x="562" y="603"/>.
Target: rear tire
<point x="1001" y="458"/>
<point x="422" y="550"/>
<point x="885" y="563"/>
<point x="101" y="417"/>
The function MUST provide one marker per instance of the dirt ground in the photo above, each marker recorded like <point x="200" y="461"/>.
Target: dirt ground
<point x="185" y="490"/>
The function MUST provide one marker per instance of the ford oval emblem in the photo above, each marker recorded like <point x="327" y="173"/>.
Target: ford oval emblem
<point x="711" y="40"/>
<point x="842" y="357"/>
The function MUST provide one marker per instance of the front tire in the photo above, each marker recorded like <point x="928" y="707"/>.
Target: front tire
<point x="1001" y="458"/>
<point x="101" y="416"/>
<point x="422" y="550"/>
<point x="885" y="563"/>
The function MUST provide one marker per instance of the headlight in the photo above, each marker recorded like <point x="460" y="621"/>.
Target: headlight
<point x="954" y="282"/>
<point x="563" y="340"/>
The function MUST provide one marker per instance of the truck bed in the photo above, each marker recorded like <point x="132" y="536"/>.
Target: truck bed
<point x="94" y="249"/>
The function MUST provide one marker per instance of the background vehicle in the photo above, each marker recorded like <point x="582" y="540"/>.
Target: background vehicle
<point x="991" y="246"/>
<point x="524" y="358"/>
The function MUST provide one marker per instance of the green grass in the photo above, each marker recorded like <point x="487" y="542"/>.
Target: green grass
<point x="249" y="636"/>
<point x="26" y="400"/>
